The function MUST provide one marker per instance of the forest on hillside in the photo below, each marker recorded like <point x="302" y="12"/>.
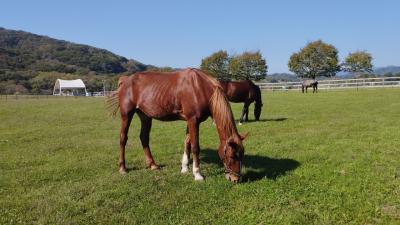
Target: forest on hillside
<point x="31" y="63"/>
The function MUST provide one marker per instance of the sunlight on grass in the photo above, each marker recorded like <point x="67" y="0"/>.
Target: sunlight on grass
<point x="328" y="158"/>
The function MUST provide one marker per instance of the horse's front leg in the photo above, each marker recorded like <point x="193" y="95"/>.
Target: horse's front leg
<point x="145" y="138"/>
<point x="195" y="147"/>
<point x="126" y="118"/>
<point x="186" y="153"/>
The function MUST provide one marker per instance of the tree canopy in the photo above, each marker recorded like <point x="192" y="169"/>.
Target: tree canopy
<point x="217" y="65"/>
<point x="358" y="62"/>
<point x="248" y="66"/>
<point x="314" y="60"/>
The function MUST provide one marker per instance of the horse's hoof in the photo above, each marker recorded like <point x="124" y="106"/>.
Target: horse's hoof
<point x="240" y="123"/>
<point x="122" y="171"/>
<point x="198" y="177"/>
<point x="154" y="167"/>
<point x="184" y="169"/>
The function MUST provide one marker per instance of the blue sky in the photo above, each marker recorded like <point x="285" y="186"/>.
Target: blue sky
<point x="180" y="33"/>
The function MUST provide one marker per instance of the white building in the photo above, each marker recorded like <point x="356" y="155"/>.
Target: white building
<point x="70" y="88"/>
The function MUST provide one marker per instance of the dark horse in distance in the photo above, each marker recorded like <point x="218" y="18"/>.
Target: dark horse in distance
<point x="244" y="91"/>
<point x="309" y="83"/>
<point x="189" y="95"/>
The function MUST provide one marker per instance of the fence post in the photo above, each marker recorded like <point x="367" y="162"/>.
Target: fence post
<point x="357" y="84"/>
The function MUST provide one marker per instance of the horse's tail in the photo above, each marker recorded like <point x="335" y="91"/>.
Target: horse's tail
<point x="112" y="100"/>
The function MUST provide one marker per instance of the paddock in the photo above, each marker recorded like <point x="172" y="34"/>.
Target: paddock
<point x="330" y="158"/>
<point x="335" y="84"/>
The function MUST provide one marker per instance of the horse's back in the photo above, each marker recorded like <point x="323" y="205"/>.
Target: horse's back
<point x="169" y="96"/>
<point x="310" y="82"/>
<point x="240" y="91"/>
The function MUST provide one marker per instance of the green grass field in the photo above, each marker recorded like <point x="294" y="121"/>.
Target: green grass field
<point x="330" y="158"/>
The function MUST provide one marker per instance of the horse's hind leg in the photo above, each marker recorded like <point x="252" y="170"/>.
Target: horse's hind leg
<point x="245" y="112"/>
<point x="126" y="118"/>
<point x="186" y="153"/>
<point x="145" y="138"/>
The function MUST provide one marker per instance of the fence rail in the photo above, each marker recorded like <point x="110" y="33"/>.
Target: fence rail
<point x="5" y="97"/>
<point x="335" y="84"/>
<point x="281" y="86"/>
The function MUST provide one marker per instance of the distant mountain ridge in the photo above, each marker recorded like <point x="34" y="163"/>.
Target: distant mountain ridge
<point x="24" y="51"/>
<point x="387" y="69"/>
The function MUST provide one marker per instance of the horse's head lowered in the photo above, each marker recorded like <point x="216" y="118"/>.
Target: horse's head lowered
<point x="232" y="157"/>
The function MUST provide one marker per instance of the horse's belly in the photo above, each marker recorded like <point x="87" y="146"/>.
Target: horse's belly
<point x="169" y="118"/>
<point x="162" y="113"/>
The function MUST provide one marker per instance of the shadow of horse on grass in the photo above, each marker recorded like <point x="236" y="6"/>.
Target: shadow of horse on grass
<point x="276" y="119"/>
<point x="257" y="167"/>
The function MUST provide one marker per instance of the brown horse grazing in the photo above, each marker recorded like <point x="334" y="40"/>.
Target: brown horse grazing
<point x="309" y="83"/>
<point x="189" y="95"/>
<point x="244" y="91"/>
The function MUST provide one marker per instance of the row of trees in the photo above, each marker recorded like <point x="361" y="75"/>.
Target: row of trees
<point x="43" y="82"/>
<point x="246" y="66"/>
<point x="314" y="60"/>
<point x="320" y="59"/>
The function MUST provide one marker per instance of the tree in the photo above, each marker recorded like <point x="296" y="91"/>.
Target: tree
<point x="314" y="60"/>
<point x="44" y="82"/>
<point x="248" y="66"/>
<point x="217" y="65"/>
<point x="358" y="62"/>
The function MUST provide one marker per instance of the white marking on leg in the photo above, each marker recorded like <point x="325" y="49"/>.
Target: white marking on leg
<point x="240" y="123"/>
<point x="196" y="173"/>
<point x="185" y="163"/>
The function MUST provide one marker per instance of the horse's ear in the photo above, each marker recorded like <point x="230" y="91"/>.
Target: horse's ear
<point x="243" y="137"/>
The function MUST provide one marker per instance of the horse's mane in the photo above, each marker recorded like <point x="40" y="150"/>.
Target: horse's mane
<point x="221" y="110"/>
<point x="258" y="98"/>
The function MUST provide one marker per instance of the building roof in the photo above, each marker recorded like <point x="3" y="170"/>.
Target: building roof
<point x="70" y="83"/>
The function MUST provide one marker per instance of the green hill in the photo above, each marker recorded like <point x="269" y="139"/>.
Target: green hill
<point x="24" y="56"/>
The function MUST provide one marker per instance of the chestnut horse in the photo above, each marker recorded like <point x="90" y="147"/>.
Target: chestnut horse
<point x="189" y="95"/>
<point x="309" y="83"/>
<point x="244" y="91"/>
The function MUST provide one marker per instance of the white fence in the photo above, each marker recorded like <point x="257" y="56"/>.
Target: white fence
<point x="335" y="84"/>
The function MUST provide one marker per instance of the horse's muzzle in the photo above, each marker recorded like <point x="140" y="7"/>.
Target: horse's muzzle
<point x="233" y="178"/>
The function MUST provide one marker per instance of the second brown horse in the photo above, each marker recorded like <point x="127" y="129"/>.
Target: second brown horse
<point x="246" y="92"/>
<point x="189" y="95"/>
